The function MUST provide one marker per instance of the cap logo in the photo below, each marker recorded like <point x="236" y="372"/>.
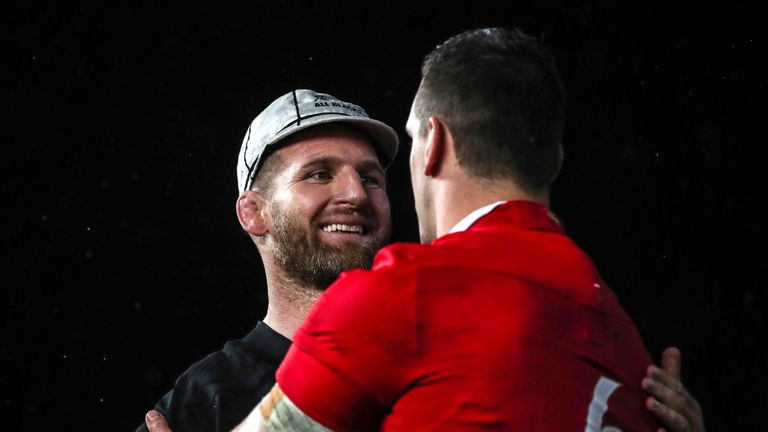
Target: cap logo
<point x="325" y="101"/>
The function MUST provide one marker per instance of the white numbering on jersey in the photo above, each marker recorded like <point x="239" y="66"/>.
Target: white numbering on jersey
<point x="599" y="405"/>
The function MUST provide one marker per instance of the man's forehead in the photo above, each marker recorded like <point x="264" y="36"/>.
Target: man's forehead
<point x="329" y="150"/>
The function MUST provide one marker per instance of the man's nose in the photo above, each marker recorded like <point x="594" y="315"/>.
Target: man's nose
<point x="350" y="188"/>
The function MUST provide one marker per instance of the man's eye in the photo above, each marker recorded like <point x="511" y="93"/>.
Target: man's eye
<point x="320" y="175"/>
<point x="370" y="180"/>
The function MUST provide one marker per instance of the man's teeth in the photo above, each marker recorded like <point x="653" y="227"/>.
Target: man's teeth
<point x="343" y="228"/>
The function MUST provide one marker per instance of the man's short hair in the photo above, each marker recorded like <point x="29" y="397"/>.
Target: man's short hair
<point x="500" y="94"/>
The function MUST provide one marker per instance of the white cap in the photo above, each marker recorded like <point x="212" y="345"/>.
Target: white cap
<point x="299" y="110"/>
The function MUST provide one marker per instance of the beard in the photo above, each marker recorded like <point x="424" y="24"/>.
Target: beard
<point x="306" y="259"/>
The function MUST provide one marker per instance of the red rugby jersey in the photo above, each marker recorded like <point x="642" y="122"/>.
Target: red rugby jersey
<point x="504" y="326"/>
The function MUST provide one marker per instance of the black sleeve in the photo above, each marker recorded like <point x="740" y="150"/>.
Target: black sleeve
<point x="142" y="428"/>
<point x="218" y="392"/>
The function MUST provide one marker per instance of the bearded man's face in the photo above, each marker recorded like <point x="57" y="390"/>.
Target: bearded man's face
<point x="329" y="206"/>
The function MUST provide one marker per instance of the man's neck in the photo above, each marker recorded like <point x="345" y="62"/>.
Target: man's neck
<point x="450" y="210"/>
<point x="288" y="304"/>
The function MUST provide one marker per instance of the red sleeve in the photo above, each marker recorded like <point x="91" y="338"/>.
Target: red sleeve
<point x="350" y="359"/>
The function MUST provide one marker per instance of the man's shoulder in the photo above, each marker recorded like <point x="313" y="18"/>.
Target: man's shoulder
<point x="451" y="250"/>
<point x="216" y="361"/>
<point x="387" y="288"/>
<point x="235" y="361"/>
<point x="403" y="256"/>
<point x="217" y="389"/>
<point x="395" y="264"/>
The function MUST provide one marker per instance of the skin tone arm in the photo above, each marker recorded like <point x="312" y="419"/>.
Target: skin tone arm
<point x="279" y="411"/>
<point x="668" y="400"/>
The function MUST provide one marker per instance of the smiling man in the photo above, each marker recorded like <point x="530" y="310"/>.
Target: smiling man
<point x="325" y="209"/>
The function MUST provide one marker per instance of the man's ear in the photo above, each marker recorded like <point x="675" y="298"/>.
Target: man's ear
<point x="252" y="212"/>
<point x="435" y="146"/>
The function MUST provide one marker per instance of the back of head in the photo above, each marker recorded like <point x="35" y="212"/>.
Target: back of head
<point x="500" y="94"/>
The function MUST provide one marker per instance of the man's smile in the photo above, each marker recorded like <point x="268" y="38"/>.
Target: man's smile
<point x="355" y="229"/>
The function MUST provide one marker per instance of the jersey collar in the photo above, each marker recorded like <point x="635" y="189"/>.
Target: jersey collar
<point x="471" y="218"/>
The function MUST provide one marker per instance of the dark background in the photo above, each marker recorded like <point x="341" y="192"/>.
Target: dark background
<point x="123" y="122"/>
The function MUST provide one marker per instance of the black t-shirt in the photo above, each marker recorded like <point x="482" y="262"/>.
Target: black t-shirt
<point x="219" y="391"/>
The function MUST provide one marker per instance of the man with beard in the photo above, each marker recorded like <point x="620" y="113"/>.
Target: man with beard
<point x="313" y="199"/>
<point x="497" y="320"/>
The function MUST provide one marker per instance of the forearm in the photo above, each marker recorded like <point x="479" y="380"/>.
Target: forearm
<point x="276" y="413"/>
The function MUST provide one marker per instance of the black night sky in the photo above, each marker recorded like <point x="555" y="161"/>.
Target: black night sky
<point x="123" y="121"/>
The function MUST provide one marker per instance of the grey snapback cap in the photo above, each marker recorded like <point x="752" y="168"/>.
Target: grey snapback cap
<point x="299" y="110"/>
